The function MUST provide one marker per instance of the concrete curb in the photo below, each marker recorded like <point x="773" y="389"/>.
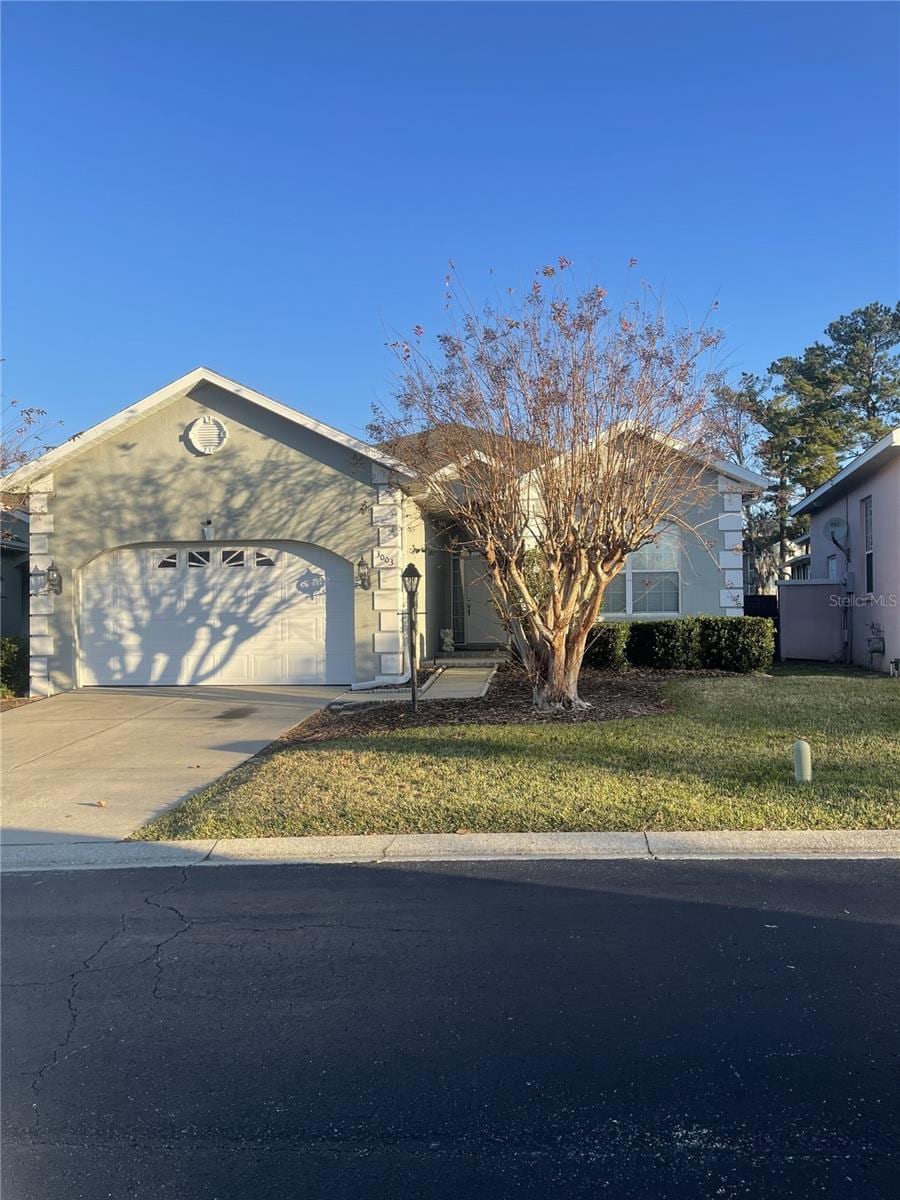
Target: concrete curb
<point x="438" y="847"/>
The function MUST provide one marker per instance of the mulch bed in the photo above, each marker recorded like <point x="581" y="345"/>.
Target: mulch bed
<point x="612" y="694"/>
<point x="17" y="701"/>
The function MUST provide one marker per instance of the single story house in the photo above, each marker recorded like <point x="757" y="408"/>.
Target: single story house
<point x="211" y="535"/>
<point x="847" y="609"/>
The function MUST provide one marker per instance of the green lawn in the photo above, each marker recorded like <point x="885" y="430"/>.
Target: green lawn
<point x="721" y="759"/>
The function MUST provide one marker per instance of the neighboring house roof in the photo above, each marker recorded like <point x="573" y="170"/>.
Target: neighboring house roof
<point x="13" y="528"/>
<point x="795" y="546"/>
<point x="854" y="473"/>
<point x="172" y="391"/>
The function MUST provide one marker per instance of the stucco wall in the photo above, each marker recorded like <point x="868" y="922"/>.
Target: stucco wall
<point x="271" y="481"/>
<point x="882" y="607"/>
<point x="711" y="562"/>
<point x="710" y="565"/>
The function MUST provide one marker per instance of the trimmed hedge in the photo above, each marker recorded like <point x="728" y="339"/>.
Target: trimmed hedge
<point x="606" y="646"/>
<point x="739" y="644"/>
<point x="13" y="666"/>
<point x="670" y="645"/>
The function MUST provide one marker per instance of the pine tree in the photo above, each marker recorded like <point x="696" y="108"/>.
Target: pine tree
<point x="812" y="414"/>
<point x="865" y="356"/>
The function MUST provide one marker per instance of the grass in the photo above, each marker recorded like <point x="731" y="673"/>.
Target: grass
<point x="720" y="759"/>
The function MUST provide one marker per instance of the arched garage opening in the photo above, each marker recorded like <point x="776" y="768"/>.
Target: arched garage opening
<point x="216" y="613"/>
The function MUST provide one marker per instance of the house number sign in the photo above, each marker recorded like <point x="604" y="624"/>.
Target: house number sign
<point x="382" y="558"/>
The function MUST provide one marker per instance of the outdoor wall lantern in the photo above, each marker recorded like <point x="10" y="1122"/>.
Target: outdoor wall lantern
<point x="45" y="583"/>
<point x="411" y="577"/>
<point x="363" y="574"/>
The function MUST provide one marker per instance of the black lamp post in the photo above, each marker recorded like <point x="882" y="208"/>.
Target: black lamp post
<point x="411" y="579"/>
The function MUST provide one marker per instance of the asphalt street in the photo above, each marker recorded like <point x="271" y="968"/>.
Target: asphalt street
<point x="497" y="1029"/>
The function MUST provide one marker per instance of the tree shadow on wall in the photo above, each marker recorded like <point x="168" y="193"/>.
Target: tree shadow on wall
<point x="190" y="622"/>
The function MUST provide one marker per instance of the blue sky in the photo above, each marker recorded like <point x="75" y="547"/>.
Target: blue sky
<point x="272" y="189"/>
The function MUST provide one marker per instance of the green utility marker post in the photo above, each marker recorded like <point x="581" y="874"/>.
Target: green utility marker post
<point x="802" y="761"/>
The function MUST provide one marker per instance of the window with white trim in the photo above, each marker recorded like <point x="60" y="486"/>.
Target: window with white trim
<point x="868" y="544"/>
<point x="232" y="558"/>
<point x="650" y="581"/>
<point x="167" y="560"/>
<point x="198" y="558"/>
<point x="264" y="559"/>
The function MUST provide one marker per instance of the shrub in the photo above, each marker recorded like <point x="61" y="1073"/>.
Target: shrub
<point x="665" y="645"/>
<point x="13" y="666"/>
<point x="741" y="644"/>
<point x="606" y="646"/>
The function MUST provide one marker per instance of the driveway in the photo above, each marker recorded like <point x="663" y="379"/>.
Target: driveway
<point x="452" y="1031"/>
<point x="138" y="750"/>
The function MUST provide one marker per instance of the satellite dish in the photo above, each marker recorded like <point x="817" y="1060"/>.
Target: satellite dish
<point x="835" y="529"/>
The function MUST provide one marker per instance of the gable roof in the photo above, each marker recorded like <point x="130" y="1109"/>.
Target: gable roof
<point x="863" y="465"/>
<point x="173" y="391"/>
<point x="438" y="442"/>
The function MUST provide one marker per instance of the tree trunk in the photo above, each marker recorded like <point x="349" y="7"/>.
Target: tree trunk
<point x="783" y="505"/>
<point x="555" y="675"/>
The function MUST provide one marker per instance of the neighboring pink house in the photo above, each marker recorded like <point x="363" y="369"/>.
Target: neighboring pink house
<point x="848" y="610"/>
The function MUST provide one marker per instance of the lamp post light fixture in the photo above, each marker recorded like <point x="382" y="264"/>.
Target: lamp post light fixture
<point x="363" y="574"/>
<point x="411" y="578"/>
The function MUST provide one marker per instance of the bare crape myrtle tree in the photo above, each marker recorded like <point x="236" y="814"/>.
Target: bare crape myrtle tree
<point x="557" y="437"/>
<point x="23" y="436"/>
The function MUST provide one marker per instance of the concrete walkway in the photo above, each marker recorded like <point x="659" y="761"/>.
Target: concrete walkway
<point x="453" y="683"/>
<point x="449" y="847"/>
<point x="136" y="750"/>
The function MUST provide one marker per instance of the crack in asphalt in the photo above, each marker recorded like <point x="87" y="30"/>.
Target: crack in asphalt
<point x="186" y="924"/>
<point x="75" y="977"/>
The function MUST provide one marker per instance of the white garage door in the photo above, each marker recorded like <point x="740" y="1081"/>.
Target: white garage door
<point x="217" y="614"/>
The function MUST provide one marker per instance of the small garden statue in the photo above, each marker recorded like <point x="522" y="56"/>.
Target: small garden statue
<point x="447" y="646"/>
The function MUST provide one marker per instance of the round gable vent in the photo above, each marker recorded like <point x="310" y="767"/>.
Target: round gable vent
<point x="207" y="434"/>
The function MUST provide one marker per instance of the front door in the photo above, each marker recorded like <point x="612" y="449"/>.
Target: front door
<point x="481" y="622"/>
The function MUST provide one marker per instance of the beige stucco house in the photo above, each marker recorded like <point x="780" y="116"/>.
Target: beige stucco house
<point x="211" y="535"/>
<point x="847" y="609"/>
